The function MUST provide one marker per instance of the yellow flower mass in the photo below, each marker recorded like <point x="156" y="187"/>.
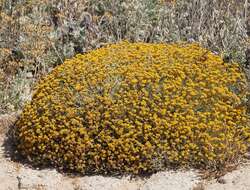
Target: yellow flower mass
<point x="137" y="108"/>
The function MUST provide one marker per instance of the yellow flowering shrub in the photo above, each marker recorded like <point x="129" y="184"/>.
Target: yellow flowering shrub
<point x="137" y="108"/>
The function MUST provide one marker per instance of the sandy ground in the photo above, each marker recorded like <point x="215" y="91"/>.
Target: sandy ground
<point x="16" y="176"/>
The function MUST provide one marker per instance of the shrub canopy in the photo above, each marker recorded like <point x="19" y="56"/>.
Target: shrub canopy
<point x="137" y="108"/>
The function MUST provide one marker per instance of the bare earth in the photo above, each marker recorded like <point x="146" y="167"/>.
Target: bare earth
<point x="16" y="176"/>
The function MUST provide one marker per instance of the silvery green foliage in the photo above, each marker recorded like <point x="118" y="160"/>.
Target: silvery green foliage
<point x="46" y="32"/>
<point x="78" y="26"/>
<point x="218" y="25"/>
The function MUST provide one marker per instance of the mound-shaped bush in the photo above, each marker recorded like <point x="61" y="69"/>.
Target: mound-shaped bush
<point x="135" y="108"/>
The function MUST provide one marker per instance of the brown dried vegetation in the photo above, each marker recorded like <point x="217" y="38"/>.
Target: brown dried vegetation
<point x="37" y="35"/>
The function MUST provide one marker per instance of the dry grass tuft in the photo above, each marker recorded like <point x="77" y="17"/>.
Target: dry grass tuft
<point x="6" y="121"/>
<point x="37" y="35"/>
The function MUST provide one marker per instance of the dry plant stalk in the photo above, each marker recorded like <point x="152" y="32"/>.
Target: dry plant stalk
<point x="37" y="35"/>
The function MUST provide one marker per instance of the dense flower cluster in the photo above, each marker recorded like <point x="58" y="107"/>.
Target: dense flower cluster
<point x="137" y="108"/>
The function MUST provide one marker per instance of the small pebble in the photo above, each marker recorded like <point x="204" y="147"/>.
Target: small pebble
<point x="221" y="180"/>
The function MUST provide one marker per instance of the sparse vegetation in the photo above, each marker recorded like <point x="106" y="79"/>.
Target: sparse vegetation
<point x="35" y="36"/>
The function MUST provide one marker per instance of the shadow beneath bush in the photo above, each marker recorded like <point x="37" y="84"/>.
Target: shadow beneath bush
<point x="9" y="145"/>
<point x="11" y="152"/>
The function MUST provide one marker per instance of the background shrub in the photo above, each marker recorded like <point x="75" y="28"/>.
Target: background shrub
<point x="37" y="35"/>
<point x="137" y="108"/>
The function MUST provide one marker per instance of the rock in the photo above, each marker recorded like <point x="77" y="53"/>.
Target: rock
<point x="221" y="180"/>
<point x="199" y="186"/>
